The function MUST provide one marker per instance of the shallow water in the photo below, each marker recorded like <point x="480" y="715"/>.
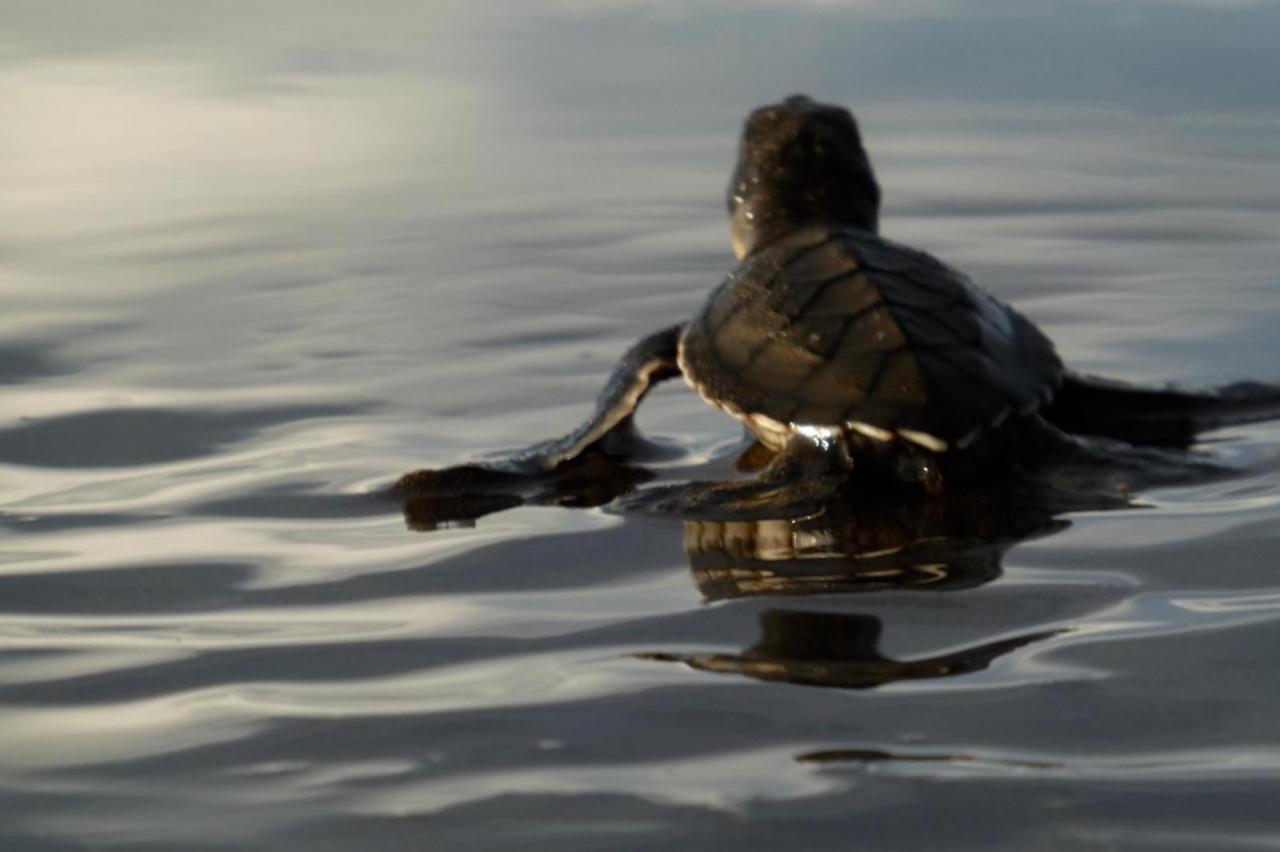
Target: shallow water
<point x="257" y="264"/>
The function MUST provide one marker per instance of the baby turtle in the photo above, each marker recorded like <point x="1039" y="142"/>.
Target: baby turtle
<point x="831" y="342"/>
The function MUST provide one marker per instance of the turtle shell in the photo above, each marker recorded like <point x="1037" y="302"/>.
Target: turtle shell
<point x="840" y="329"/>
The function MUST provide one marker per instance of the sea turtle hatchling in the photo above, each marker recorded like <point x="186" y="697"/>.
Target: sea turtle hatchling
<point x="830" y="341"/>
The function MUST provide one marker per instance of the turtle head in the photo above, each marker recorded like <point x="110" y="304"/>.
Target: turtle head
<point x="799" y="163"/>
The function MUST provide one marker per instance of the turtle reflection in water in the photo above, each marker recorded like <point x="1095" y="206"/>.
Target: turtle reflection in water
<point x="859" y="365"/>
<point x="855" y="546"/>
<point x="839" y="650"/>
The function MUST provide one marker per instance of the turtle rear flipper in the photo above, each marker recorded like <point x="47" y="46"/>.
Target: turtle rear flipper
<point x="1166" y="417"/>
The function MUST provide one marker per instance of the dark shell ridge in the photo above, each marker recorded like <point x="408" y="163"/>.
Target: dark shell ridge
<point x="837" y="327"/>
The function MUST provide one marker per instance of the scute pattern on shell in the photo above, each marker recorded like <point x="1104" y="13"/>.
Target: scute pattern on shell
<point x="830" y="327"/>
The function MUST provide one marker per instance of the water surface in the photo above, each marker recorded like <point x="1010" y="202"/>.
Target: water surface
<point x="258" y="262"/>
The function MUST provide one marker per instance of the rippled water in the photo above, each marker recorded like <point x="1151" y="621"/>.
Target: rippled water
<point x="256" y="263"/>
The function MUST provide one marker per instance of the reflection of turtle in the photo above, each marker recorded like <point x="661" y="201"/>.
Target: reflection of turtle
<point x="861" y="543"/>
<point x="831" y="343"/>
<point x="839" y="650"/>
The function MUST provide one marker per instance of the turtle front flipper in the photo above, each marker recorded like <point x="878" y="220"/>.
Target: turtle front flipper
<point x="648" y="362"/>
<point x="1166" y="417"/>
<point x="586" y="467"/>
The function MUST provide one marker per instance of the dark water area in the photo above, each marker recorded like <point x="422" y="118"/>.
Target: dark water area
<point x="257" y="262"/>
